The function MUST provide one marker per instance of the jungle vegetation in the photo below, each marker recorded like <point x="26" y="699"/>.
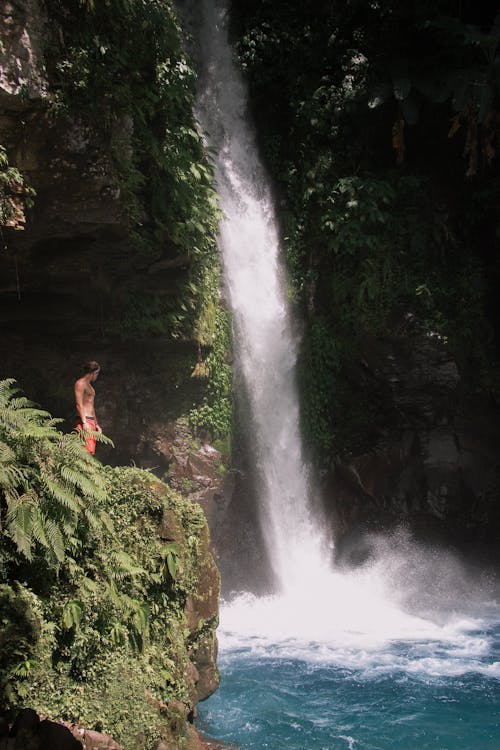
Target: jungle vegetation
<point x="120" y="67"/>
<point x="379" y="123"/>
<point x="92" y="626"/>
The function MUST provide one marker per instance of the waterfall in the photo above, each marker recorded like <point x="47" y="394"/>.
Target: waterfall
<point x="265" y="342"/>
<point x="317" y="663"/>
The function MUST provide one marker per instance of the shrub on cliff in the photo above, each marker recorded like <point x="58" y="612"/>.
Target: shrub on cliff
<point x="98" y="634"/>
<point x="15" y="194"/>
<point x="121" y="68"/>
<point x="50" y="487"/>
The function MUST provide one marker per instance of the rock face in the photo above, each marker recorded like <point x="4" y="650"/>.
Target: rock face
<point x="64" y="276"/>
<point x="201" y="610"/>
<point x="61" y="279"/>
<point x="21" y="61"/>
<point x="29" y="732"/>
<point x="78" y="204"/>
<point x="435" y="466"/>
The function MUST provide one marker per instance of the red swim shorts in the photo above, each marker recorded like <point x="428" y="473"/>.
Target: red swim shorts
<point x="89" y="440"/>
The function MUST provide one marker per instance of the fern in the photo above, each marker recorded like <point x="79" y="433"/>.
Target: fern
<point x="95" y="521"/>
<point x="38" y="523"/>
<point x="61" y="494"/>
<point x="19" y="525"/>
<point x="6" y="453"/>
<point x="125" y="566"/>
<point x="56" y="540"/>
<point x="49" y="483"/>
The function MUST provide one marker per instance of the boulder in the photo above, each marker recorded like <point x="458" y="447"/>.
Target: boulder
<point x="96" y="741"/>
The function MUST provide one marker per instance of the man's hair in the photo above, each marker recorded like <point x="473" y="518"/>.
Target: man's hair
<point x="91" y="366"/>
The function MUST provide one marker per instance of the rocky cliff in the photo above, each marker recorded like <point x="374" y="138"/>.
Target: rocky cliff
<point x="96" y="270"/>
<point x="434" y="464"/>
<point x="90" y="273"/>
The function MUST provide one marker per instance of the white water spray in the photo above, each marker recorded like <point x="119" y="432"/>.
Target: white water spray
<point x="350" y="614"/>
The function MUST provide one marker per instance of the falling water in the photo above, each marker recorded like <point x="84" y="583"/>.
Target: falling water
<point x="390" y="655"/>
<point x="265" y="341"/>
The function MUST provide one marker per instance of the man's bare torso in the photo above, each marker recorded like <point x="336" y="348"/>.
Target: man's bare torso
<point x="85" y="396"/>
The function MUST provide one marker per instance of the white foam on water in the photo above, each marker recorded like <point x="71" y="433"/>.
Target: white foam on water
<point x="356" y="621"/>
<point x="351" y="742"/>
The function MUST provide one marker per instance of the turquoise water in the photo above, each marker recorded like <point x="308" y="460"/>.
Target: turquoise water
<point x="290" y="704"/>
<point x="267" y="702"/>
<point x="384" y="662"/>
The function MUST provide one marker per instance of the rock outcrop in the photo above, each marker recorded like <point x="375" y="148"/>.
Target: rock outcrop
<point x="66" y="279"/>
<point x="31" y="732"/>
<point x="435" y="466"/>
<point x="62" y="279"/>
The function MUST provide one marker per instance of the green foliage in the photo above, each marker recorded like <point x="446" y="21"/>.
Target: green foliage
<point x="92" y="623"/>
<point x="105" y="643"/>
<point x="137" y="90"/>
<point x="354" y="104"/>
<point x="24" y="639"/>
<point x="215" y="413"/>
<point x="49" y="483"/>
<point x="170" y="555"/>
<point x="320" y="365"/>
<point x="383" y="251"/>
<point x="15" y="194"/>
<point x="72" y="614"/>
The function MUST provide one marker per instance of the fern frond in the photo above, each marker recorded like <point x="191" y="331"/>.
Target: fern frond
<point x="38" y="522"/>
<point x="69" y="525"/>
<point x="48" y="481"/>
<point x="81" y="481"/>
<point x="12" y="476"/>
<point x="23" y="413"/>
<point x="6" y="453"/>
<point x="61" y="494"/>
<point x="19" y="522"/>
<point x="100" y="437"/>
<point x="21" y="402"/>
<point x="7" y="390"/>
<point x="93" y="519"/>
<point x="18" y="422"/>
<point x="107" y="521"/>
<point x="113" y="593"/>
<point x="55" y="538"/>
<point x="70" y="444"/>
<point x="91" y="586"/>
<point x="70" y="475"/>
<point x="11" y="494"/>
<point x="125" y="565"/>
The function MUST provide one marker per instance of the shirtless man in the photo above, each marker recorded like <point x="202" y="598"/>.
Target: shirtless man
<point x="84" y="397"/>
